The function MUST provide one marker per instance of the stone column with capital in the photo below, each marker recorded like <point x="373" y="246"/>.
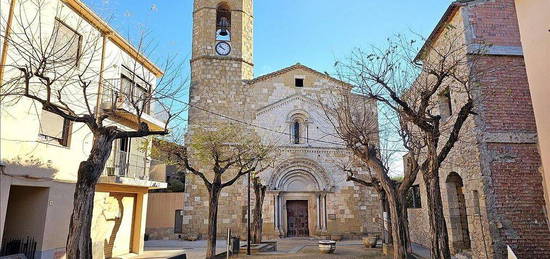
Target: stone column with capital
<point x="323" y="199"/>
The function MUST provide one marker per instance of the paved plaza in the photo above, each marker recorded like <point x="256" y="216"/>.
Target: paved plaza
<point x="286" y="248"/>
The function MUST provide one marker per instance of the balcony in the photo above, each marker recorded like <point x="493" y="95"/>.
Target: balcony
<point x="119" y="96"/>
<point x="125" y="168"/>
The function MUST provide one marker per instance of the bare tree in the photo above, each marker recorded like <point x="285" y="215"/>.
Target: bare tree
<point x="58" y="62"/>
<point x="418" y="89"/>
<point x="259" y="197"/>
<point x="372" y="182"/>
<point x="229" y="152"/>
<point x="356" y="124"/>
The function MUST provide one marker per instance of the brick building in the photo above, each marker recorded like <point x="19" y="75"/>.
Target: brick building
<point x="307" y="193"/>
<point x="491" y="184"/>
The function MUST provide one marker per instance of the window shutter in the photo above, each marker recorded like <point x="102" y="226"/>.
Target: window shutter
<point x="51" y="124"/>
<point x="67" y="42"/>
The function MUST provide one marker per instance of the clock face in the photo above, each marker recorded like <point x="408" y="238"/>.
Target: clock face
<point x="223" y="48"/>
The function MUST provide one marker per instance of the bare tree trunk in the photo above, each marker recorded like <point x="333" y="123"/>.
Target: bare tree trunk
<point x="399" y="225"/>
<point x="213" y="220"/>
<point x="438" y="227"/>
<point x="389" y="231"/>
<point x="79" y="242"/>
<point x="404" y="223"/>
<point x="385" y="233"/>
<point x="259" y="193"/>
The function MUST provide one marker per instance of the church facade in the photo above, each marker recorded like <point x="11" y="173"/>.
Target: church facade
<point x="307" y="192"/>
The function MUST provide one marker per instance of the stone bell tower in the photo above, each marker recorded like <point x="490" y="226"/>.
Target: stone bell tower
<point x="221" y="58"/>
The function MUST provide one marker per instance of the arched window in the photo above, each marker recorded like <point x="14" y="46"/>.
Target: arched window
<point x="223" y="22"/>
<point x="298" y="124"/>
<point x="296" y="132"/>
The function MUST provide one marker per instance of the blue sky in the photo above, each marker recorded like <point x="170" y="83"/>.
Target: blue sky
<point x="315" y="33"/>
<point x="312" y="32"/>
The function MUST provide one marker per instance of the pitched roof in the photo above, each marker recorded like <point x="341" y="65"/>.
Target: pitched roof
<point x="294" y="67"/>
<point x="82" y="9"/>
<point x="447" y="16"/>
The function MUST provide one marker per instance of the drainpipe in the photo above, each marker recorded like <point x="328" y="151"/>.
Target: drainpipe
<point x="5" y="43"/>
<point x="101" y="67"/>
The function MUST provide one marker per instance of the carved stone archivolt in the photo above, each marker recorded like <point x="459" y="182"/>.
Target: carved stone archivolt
<point x="300" y="175"/>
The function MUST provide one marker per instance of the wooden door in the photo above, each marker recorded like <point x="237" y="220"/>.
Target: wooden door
<point x="297" y="219"/>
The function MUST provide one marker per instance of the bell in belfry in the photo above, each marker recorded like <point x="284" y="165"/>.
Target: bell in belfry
<point x="224" y="26"/>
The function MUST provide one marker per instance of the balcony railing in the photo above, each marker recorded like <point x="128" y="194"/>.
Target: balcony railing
<point x="127" y="165"/>
<point x="136" y="166"/>
<point x="125" y="100"/>
<point x="115" y="97"/>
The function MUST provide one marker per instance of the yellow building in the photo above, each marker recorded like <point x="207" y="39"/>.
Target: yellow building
<point x="41" y="152"/>
<point x="534" y="26"/>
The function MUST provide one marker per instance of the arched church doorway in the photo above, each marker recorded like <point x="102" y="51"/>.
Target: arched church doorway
<point x="300" y="187"/>
<point x="458" y="218"/>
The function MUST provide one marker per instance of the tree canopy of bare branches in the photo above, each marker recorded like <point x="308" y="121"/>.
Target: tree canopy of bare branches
<point x="412" y="84"/>
<point x="226" y="152"/>
<point x="61" y="63"/>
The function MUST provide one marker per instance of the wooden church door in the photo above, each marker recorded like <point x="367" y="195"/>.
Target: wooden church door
<point x="297" y="219"/>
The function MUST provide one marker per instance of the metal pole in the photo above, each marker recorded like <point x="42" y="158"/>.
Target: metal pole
<point x="228" y="242"/>
<point x="248" y="220"/>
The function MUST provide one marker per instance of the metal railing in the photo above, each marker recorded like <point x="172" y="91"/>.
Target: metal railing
<point x="114" y="97"/>
<point x="12" y="246"/>
<point x="135" y="166"/>
<point x="129" y="165"/>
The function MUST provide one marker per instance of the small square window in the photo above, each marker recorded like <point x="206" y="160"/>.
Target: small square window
<point x="299" y="82"/>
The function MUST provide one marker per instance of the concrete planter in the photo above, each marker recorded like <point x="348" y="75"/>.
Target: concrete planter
<point x="327" y="246"/>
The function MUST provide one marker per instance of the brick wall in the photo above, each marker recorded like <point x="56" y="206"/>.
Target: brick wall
<point x="494" y="22"/>
<point x="506" y="98"/>
<point x="518" y="200"/>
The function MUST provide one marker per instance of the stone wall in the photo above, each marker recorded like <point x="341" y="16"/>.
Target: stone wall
<point x="497" y="157"/>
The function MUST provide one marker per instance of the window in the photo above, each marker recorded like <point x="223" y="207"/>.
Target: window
<point x="135" y="90"/>
<point x="477" y="208"/>
<point x="296" y="132"/>
<point x="223" y="22"/>
<point x="413" y="197"/>
<point x="299" y="82"/>
<point x="445" y="105"/>
<point x="298" y="125"/>
<point x="55" y="128"/>
<point x="124" y="144"/>
<point x="66" y="43"/>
